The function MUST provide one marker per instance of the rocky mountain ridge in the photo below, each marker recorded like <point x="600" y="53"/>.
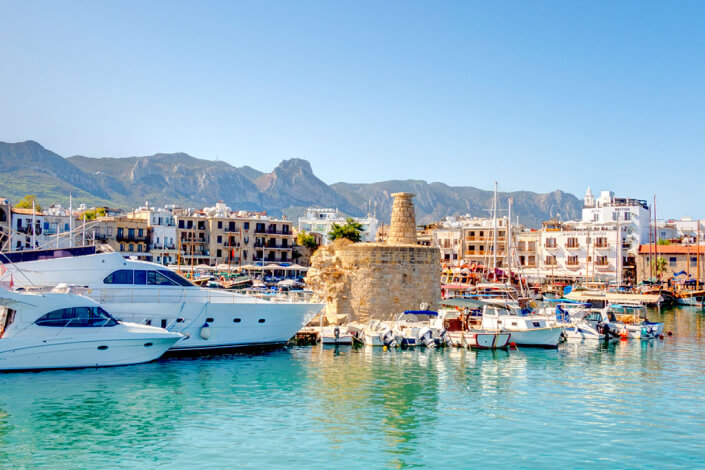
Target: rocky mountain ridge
<point x="179" y="178"/>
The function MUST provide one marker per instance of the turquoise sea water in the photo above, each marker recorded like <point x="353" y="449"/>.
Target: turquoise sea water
<point x="626" y="405"/>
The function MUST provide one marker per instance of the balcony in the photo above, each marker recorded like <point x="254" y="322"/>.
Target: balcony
<point x="131" y="238"/>
<point x="550" y="246"/>
<point x="572" y="246"/>
<point x="551" y="264"/>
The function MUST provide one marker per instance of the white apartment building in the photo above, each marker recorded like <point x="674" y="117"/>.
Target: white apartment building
<point x="162" y="233"/>
<point x="320" y="220"/>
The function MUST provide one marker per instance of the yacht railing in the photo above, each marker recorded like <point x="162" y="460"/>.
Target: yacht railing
<point x="176" y="295"/>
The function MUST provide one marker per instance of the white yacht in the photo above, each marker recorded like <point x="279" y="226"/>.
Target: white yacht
<point x="150" y="294"/>
<point x="57" y="331"/>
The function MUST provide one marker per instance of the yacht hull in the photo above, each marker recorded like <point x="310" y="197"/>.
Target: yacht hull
<point x="222" y="325"/>
<point x="70" y="353"/>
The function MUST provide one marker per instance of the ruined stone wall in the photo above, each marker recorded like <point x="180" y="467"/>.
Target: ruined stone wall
<point x="363" y="281"/>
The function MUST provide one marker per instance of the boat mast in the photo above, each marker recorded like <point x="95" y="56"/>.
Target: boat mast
<point x="651" y="247"/>
<point x="697" y="262"/>
<point x="619" y="254"/>
<point x="508" y="244"/>
<point x="655" y="239"/>
<point x="494" y="233"/>
<point x="70" y="220"/>
<point x="34" y="226"/>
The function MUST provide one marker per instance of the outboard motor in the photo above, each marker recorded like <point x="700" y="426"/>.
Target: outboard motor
<point x="426" y="337"/>
<point x="445" y="338"/>
<point x="388" y="337"/>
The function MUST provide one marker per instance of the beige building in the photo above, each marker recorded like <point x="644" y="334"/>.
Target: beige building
<point x="125" y="235"/>
<point x="676" y="259"/>
<point x="217" y="235"/>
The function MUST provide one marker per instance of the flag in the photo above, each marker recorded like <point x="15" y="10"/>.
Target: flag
<point x="12" y="282"/>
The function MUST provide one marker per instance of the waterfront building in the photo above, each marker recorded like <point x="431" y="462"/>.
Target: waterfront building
<point x="162" y="232"/>
<point x="26" y="228"/>
<point x="5" y="224"/>
<point x="217" y="235"/>
<point x="321" y="220"/>
<point x="679" y="261"/>
<point x="128" y="236"/>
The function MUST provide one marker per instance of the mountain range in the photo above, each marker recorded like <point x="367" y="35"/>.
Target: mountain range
<point x="178" y="178"/>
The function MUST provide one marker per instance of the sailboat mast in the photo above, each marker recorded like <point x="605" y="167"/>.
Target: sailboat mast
<point x="509" y="241"/>
<point x="494" y="232"/>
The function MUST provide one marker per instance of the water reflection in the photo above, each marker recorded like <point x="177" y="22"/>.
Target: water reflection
<point x="365" y="407"/>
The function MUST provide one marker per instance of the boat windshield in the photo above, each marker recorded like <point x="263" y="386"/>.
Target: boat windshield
<point x="77" y="317"/>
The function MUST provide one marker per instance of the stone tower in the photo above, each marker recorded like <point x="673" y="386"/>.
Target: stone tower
<point x="403" y="228"/>
<point x="365" y="281"/>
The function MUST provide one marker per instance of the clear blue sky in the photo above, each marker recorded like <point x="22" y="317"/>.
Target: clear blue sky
<point x="536" y="95"/>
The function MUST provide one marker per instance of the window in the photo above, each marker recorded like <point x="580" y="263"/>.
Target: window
<point x="175" y="277"/>
<point x="693" y="261"/>
<point x="140" y="232"/>
<point x="155" y="278"/>
<point x="139" y="247"/>
<point x="550" y="260"/>
<point x="627" y="216"/>
<point x="109" y="231"/>
<point x="220" y="239"/>
<point x="120" y="232"/>
<point x="672" y="261"/>
<point x="247" y="226"/>
<point x="122" y="247"/>
<point x="550" y="243"/>
<point x="131" y="247"/>
<point x="219" y="253"/>
<point x="220" y="224"/>
<point x="573" y="260"/>
<point x="121" y="276"/>
<point x="181" y="224"/>
<point x="131" y="233"/>
<point x="572" y="242"/>
<point x="77" y="317"/>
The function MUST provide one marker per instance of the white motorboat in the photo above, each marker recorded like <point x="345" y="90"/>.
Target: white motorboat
<point x="148" y="293"/>
<point x="336" y="335"/>
<point x="420" y="328"/>
<point x="526" y="330"/>
<point x="57" y="331"/>
<point x="376" y="333"/>
<point x="457" y="323"/>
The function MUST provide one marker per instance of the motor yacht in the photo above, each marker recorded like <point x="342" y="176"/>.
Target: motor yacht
<point x="57" y="331"/>
<point x="150" y="294"/>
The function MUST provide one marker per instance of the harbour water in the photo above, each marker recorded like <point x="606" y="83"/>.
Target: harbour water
<point x="635" y="404"/>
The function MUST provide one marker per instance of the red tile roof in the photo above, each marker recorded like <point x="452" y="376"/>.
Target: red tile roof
<point x="672" y="249"/>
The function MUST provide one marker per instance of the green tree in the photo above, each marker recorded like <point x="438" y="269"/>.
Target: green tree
<point x="307" y="240"/>
<point x="351" y="230"/>
<point x="95" y="213"/>
<point x="26" y="203"/>
<point x="659" y="266"/>
<point x="663" y="241"/>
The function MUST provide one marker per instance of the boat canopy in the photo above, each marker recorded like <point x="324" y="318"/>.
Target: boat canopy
<point x="430" y="313"/>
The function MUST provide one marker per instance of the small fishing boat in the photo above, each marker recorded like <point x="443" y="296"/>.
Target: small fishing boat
<point x="376" y="333"/>
<point x="336" y="335"/>
<point x="526" y="330"/>
<point x="456" y="322"/>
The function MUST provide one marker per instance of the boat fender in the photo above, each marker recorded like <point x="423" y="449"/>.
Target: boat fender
<point x="670" y="333"/>
<point x="205" y="331"/>
<point x="336" y="332"/>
